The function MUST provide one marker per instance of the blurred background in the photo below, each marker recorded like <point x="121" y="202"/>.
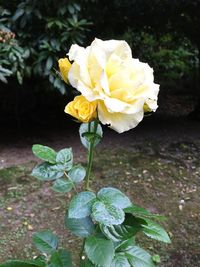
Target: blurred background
<point x="157" y="164"/>
<point x="35" y="34"/>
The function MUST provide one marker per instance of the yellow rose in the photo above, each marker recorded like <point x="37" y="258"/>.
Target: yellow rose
<point x="82" y="109"/>
<point x="105" y="71"/>
<point x="64" y="66"/>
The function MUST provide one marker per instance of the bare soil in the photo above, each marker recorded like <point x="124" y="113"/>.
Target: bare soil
<point x="156" y="164"/>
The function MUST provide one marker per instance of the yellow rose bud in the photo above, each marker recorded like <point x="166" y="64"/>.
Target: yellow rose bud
<point x="82" y="109"/>
<point x="64" y="66"/>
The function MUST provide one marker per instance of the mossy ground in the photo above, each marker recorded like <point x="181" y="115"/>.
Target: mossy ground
<point x="163" y="177"/>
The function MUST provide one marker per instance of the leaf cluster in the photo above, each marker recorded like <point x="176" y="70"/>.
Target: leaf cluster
<point x="172" y="58"/>
<point x="44" y="31"/>
<point x="57" y="167"/>
<point x="109" y="222"/>
<point x="12" y="59"/>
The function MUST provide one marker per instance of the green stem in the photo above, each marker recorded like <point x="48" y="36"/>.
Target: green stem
<point x="88" y="171"/>
<point x="90" y="156"/>
<point x="82" y="250"/>
<point x="71" y="181"/>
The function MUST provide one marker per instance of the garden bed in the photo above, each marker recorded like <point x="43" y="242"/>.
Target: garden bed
<point x="159" y="169"/>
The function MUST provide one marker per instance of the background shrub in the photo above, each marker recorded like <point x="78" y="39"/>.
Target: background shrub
<point x="34" y="34"/>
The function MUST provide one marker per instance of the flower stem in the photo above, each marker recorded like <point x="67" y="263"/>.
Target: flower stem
<point x="71" y="181"/>
<point x="90" y="156"/>
<point x="88" y="171"/>
<point x="82" y="250"/>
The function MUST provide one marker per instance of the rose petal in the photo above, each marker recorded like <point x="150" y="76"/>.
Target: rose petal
<point x="119" y="122"/>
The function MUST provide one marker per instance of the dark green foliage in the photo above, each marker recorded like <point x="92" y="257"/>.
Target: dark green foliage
<point x="82" y="227"/>
<point x="47" y="172"/>
<point x="60" y="258"/>
<point x="107" y="214"/>
<point x="77" y="173"/>
<point x="173" y="57"/>
<point x="138" y="257"/>
<point x="155" y="231"/>
<point x="162" y="33"/>
<point x="64" y="159"/>
<point x="13" y="57"/>
<point x="99" y="250"/>
<point x="108" y="220"/>
<point x="62" y="186"/>
<point x="120" y="260"/>
<point x="114" y="197"/>
<point x="81" y="205"/>
<point x="45" y="241"/>
<point x="158" y="16"/>
<point x="44" y="32"/>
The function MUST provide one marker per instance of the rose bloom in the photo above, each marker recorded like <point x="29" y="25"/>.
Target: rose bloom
<point x="123" y="86"/>
<point x="82" y="109"/>
<point x="64" y="66"/>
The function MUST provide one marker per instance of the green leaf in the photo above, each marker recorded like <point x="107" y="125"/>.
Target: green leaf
<point x="60" y="258"/>
<point x="45" y="153"/>
<point x="110" y="233"/>
<point x="19" y="263"/>
<point x="129" y="228"/>
<point x="40" y="261"/>
<point x="83" y="227"/>
<point x="77" y="173"/>
<point x="71" y="9"/>
<point x="124" y="245"/>
<point x="86" y="132"/>
<point x="81" y="205"/>
<point x="142" y="213"/>
<point x="19" y="78"/>
<point x="99" y="251"/>
<point x="47" y="172"/>
<point x="45" y="241"/>
<point x="18" y="13"/>
<point x="155" y="231"/>
<point x="49" y="63"/>
<point x="120" y="260"/>
<point x="120" y="232"/>
<point x="65" y="159"/>
<point x="86" y="263"/>
<point x="138" y="257"/>
<point x="90" y="136"/>
<point x="107" y="214"/>
<point x="62" y="186"/>
<point x="114" y="197"/>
